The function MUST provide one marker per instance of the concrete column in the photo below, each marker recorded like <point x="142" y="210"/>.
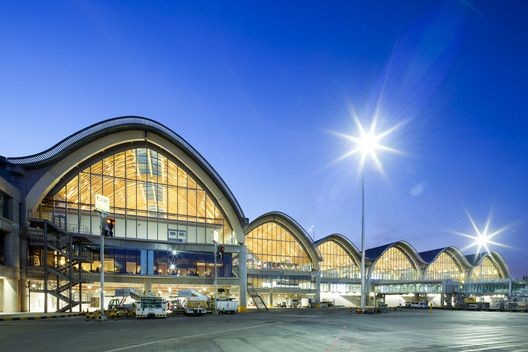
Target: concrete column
<point x="242" y="256"/>
<point x="10" y="295"/>
<point x="368" y="291"/>
<point x="317" y="289"/>
<point x="12" y="249"/>
<point x="23" y="292"/>
<point x="147" y="285"/>
<point x="12" y="301"/>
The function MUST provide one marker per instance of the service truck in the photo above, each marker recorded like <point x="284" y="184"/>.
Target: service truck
<point x="194" y="302"/>
<point x="151" y="307"/>
<point x="226" y="305"/>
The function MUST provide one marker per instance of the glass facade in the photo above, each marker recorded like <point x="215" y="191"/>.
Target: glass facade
<point x="409" y="288"/>
<point x="272" y="246"/>
<point x="340" y="288"/>
<point x="145" y="262"/>
<point x="282" y="281"/>
<point x="394" y="264"/>
<point x="485" y="271"/>
<point x="337" y="262"/>
<point x="444" y="267"/>
<point x="151" y="196"/>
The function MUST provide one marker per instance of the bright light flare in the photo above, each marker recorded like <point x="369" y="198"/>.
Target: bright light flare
<point x="368" y="142"/>
<point x="481" y="237"/>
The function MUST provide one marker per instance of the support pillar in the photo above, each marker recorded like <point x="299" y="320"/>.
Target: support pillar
<point x="12" y="301"/>
<point x="10" y="304"/>
<point x="368" y="291"/>
<point x="147" y="285"/>
<point x="23" y="292"/>
<point x="317" y="289"/>
<point x="242" y="255"/>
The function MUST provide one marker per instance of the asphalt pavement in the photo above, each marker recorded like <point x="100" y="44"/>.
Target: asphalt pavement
<point x="291" y="330"/>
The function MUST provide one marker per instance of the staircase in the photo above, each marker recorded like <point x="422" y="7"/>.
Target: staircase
<point x="257" y="299"/>
<point x="62" y="256"/>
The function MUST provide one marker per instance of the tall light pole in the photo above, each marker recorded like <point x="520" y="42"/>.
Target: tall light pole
<point x="363" y="276"/>
<point x="215" y="253"/>
<point x="367" y="143"/>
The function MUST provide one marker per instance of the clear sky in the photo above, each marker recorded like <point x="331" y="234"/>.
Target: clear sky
<point x="258" y="90"/>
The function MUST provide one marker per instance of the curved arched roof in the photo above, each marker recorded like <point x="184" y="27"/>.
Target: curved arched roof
<point x="120" y="124"/>
<point x="349" y="247"/>
<point x="373" y="254"/>
<point x="496" y="258"/>
<point x="430" y="256"/>
<point x="294" y="227"/>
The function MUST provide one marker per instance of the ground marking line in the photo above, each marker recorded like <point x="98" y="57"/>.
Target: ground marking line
<point x="493" y="347"/>
<point x="332" y="346"/>
<point x="190" y="336"/>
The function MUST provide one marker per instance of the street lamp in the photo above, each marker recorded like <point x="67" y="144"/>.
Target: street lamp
<point x="367" y="143"/>
<point x="215" y="253"/>
<point x="482" y="237"/>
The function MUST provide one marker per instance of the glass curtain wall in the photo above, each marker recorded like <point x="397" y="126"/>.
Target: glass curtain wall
<point x="282" y="281"/>
<point x="337" y="263"/>
<point x="394" y="264"/>
<point x="485" y="271"/>
<point x="272" y="246"/>
<point x="444" y="267"/>
<point x="129" y="261"/>
<point x="151" y="197"/>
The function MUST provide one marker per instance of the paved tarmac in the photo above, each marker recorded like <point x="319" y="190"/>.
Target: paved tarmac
<point x="293" y="330"/>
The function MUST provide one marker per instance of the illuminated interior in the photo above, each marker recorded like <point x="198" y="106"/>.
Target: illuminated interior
<point x="444" y="267"/>
<point x="485" y="271"/>
<point x="337" y="262"/>
<point x="151" y="197"/>
<point x="272" y="246"/>
<point x="394" y="264"/>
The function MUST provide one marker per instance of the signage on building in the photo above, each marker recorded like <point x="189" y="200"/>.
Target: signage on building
<point x="102" y="203"/>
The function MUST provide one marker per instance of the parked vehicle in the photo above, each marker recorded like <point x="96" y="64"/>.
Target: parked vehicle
<point x="194" y="302"/>
<point x="226" y="305"/>
<point x="151" y="307"/>
<point x="421" y="305"/>
<point x="293" y="303"/>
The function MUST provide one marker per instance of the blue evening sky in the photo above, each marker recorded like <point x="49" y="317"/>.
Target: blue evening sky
<point x="258" y="89"/>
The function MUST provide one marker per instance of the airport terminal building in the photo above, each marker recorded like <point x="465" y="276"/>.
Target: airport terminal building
<point x="168" y="201"/>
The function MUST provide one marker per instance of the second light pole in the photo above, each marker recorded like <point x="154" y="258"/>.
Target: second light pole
<point x="367" y="143"/>
<point x="363" y="276"/>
